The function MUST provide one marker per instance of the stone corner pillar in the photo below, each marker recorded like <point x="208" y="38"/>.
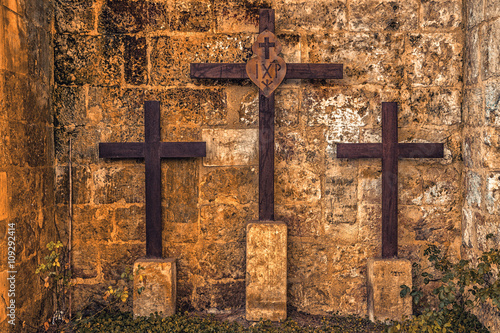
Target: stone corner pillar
<point x="266" y="276"/>
<point x="158" y="282"/>
<point x="385" y="277"/>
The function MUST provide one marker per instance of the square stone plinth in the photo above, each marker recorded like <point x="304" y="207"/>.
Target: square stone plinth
<point x="266" y="271"/>
<point x="158" y="285"/>
<point x="385" y="277"/>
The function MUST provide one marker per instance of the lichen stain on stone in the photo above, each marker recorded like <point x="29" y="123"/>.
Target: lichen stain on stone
<point x="343" y="116"/>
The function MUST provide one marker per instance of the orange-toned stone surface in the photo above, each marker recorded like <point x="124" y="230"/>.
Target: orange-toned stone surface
<point x="155" y="287"/>
<point x="385" y="278"/>
<point x="266" y="271"/>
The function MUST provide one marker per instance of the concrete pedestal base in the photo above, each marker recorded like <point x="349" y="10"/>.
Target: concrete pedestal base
<point x="385" y="277"/>
<point x="266" y="276"/>
<point x="158" y="285"/>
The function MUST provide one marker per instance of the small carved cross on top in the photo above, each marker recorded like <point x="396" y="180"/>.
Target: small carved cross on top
<point x="267" y="71"/>
<point x="152" y="151"/>
<point x="390" y="151"/>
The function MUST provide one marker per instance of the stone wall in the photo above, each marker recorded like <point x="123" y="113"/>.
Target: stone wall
<point x="26" y="154"/>
<point x="111" y="55"/>
<point x="481" y="108"/>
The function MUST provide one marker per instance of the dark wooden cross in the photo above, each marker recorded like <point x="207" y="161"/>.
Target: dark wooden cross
<point x="266" y="45"/>
<point x="152" y="151"/>
<point x="390" y="151"/>
<point x="266" y="104"/>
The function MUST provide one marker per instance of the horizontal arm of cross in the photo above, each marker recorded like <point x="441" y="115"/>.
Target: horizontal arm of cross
<point x="183" y="149"/>
<point x="421" y="150"/>
<point x="132" y="150"/>
<point x="293" y="71"/>
<point x="359" y="150"/>
<point x="121" y="150"/>
<point x="374" y="150"/>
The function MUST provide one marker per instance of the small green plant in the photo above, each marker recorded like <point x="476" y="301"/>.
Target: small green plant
<point x="56" y="276"/>
<point x="457" y="289"/>
<point x="120" y="291"/>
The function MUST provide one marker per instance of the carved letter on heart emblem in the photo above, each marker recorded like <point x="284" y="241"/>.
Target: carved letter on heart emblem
<point x="267" y="70"/>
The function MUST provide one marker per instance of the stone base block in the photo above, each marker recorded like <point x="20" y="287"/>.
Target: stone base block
<point x="266" y="277"/>
<point x="385" y="277"/>
<point x="157" y="284"/>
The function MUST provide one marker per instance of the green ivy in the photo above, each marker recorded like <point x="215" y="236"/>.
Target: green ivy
<point x="186" y="323"/>
<point x="459" y="287"/>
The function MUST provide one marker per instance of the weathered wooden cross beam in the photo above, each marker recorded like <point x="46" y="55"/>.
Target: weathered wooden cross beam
<point x="390" y="151"/>
<point x="152" y="151"/>
<point x="267" y="71"/>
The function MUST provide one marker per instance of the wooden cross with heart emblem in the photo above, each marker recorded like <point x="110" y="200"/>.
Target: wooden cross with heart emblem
<point x="267" y="70"/>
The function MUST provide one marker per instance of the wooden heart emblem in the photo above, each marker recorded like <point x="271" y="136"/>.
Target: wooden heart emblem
<point x="267" y="70"/>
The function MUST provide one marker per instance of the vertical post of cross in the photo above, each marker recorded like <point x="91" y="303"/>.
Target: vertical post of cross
<point x="266" y="137"/>
<point x="153" y="173"/>
<point x="390" y="154"/>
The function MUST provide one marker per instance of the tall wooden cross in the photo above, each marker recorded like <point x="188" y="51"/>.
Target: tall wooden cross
<point x="390" y="150"/>
<point x="267" y="71"/>
<point x="152" y="151"/>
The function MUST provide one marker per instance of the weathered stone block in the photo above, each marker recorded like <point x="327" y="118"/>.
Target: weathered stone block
<point x="180" y="190"/>
<point x="441" y="14"/>
<point x="441" y="186"/>
<point x="491" y="9"/>
<point x="492" y="103"/>
<point x="341" y="195"/>
<point x="410" y="184"/>
<point x="231" y="147"/>
<point x="440" y="107"/>
<point x="4" y="199"/>
<point x="226" y="222"/>
<point x="116" y="183"/>
<point x="435" y="59"/>
<point x="135" y="58"/>
<point x="158" y="284"/>
<point x="191" y="107"/>
<point x="266" y="278"/>
<point x="492" y="195"/>
<point x="385" y="276"/>
<point x="302" y="220"/>
<point x="81" y="59"/>
<point x="220" y="261"/>
<point x="341" y="111"/>
<point x="171" y="56"/>
<point x="116" y="258"/>
<point x="361" y="65"/>
<point x="117" y="108"/>
<point x="490" y="49"/>
<point x="192" y="16"/>
<point x="92" y="224"/>
<point x="85" y="260"/>
<point x="130" y="223"/>
<point x="234" y="186"/>
<point x="473" y="111"/>
<point x="474" y="10"/>
<point x="123" y="16"/>
<point x="75" y="16"/>
<point x="15" y="31"/>
<point x="490" y="147"/>
<point x="234" y="16"/>
<point x="370" y="15"/>
<point x="473" y="186"/>
<point x="298" y="15"/>
<point x="471" y="56"/>
<point x="297" y="183"/>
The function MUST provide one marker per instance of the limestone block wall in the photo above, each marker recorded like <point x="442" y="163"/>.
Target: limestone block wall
<point x="111" y="55"/>
<point x="26" y="156"/>
<point x="481" y="108"/>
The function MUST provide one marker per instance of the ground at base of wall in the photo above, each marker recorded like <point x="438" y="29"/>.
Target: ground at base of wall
<point x="224" y="322"/>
